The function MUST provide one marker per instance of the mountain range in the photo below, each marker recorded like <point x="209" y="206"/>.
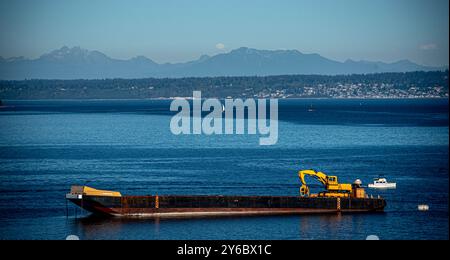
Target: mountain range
<point x="78" y="63"/>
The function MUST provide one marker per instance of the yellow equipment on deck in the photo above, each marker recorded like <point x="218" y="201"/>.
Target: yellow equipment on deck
<point x="331" y="184"/>
<point x="88" y="191"/>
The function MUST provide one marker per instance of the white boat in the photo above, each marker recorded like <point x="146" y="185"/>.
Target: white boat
<point x="382" y="183"/>
<point x="423" y="207"/>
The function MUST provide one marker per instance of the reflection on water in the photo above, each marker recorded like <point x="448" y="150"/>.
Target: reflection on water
<point x="316" y="226"/>
<point x="98" y="227"/>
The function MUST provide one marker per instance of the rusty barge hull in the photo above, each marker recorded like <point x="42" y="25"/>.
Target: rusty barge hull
<point x="203" y="206"/>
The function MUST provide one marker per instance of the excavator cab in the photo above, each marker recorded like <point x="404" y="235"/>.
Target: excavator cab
<point x="333" y="184"/>
<point x="332" y="180"/>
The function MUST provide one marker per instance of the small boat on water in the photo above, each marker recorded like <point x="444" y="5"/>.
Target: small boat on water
<point x="423" y="207"/>
<point x="382" y="183"/>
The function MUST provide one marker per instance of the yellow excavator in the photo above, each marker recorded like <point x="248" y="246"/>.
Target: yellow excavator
<point x="332" y="186"/>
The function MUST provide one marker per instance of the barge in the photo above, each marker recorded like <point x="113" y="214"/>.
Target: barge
<point x="337" y="198"/>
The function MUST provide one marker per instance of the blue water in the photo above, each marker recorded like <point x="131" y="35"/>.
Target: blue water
<point x="125" y="145"/>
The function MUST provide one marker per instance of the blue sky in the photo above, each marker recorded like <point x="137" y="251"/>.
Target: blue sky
<point x="181" y="30"/>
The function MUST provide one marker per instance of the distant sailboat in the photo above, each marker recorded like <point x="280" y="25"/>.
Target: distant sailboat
<point x="223" y="108"/>
<point x="311" y="109"/>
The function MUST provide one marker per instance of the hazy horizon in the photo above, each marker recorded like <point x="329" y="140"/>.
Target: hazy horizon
<point x="180" y="31"/>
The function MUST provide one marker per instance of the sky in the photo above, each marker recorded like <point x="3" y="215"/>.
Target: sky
<point x="181" y="30"/>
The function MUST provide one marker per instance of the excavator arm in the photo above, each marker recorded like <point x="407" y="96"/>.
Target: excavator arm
<point x="320" y="176"/>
